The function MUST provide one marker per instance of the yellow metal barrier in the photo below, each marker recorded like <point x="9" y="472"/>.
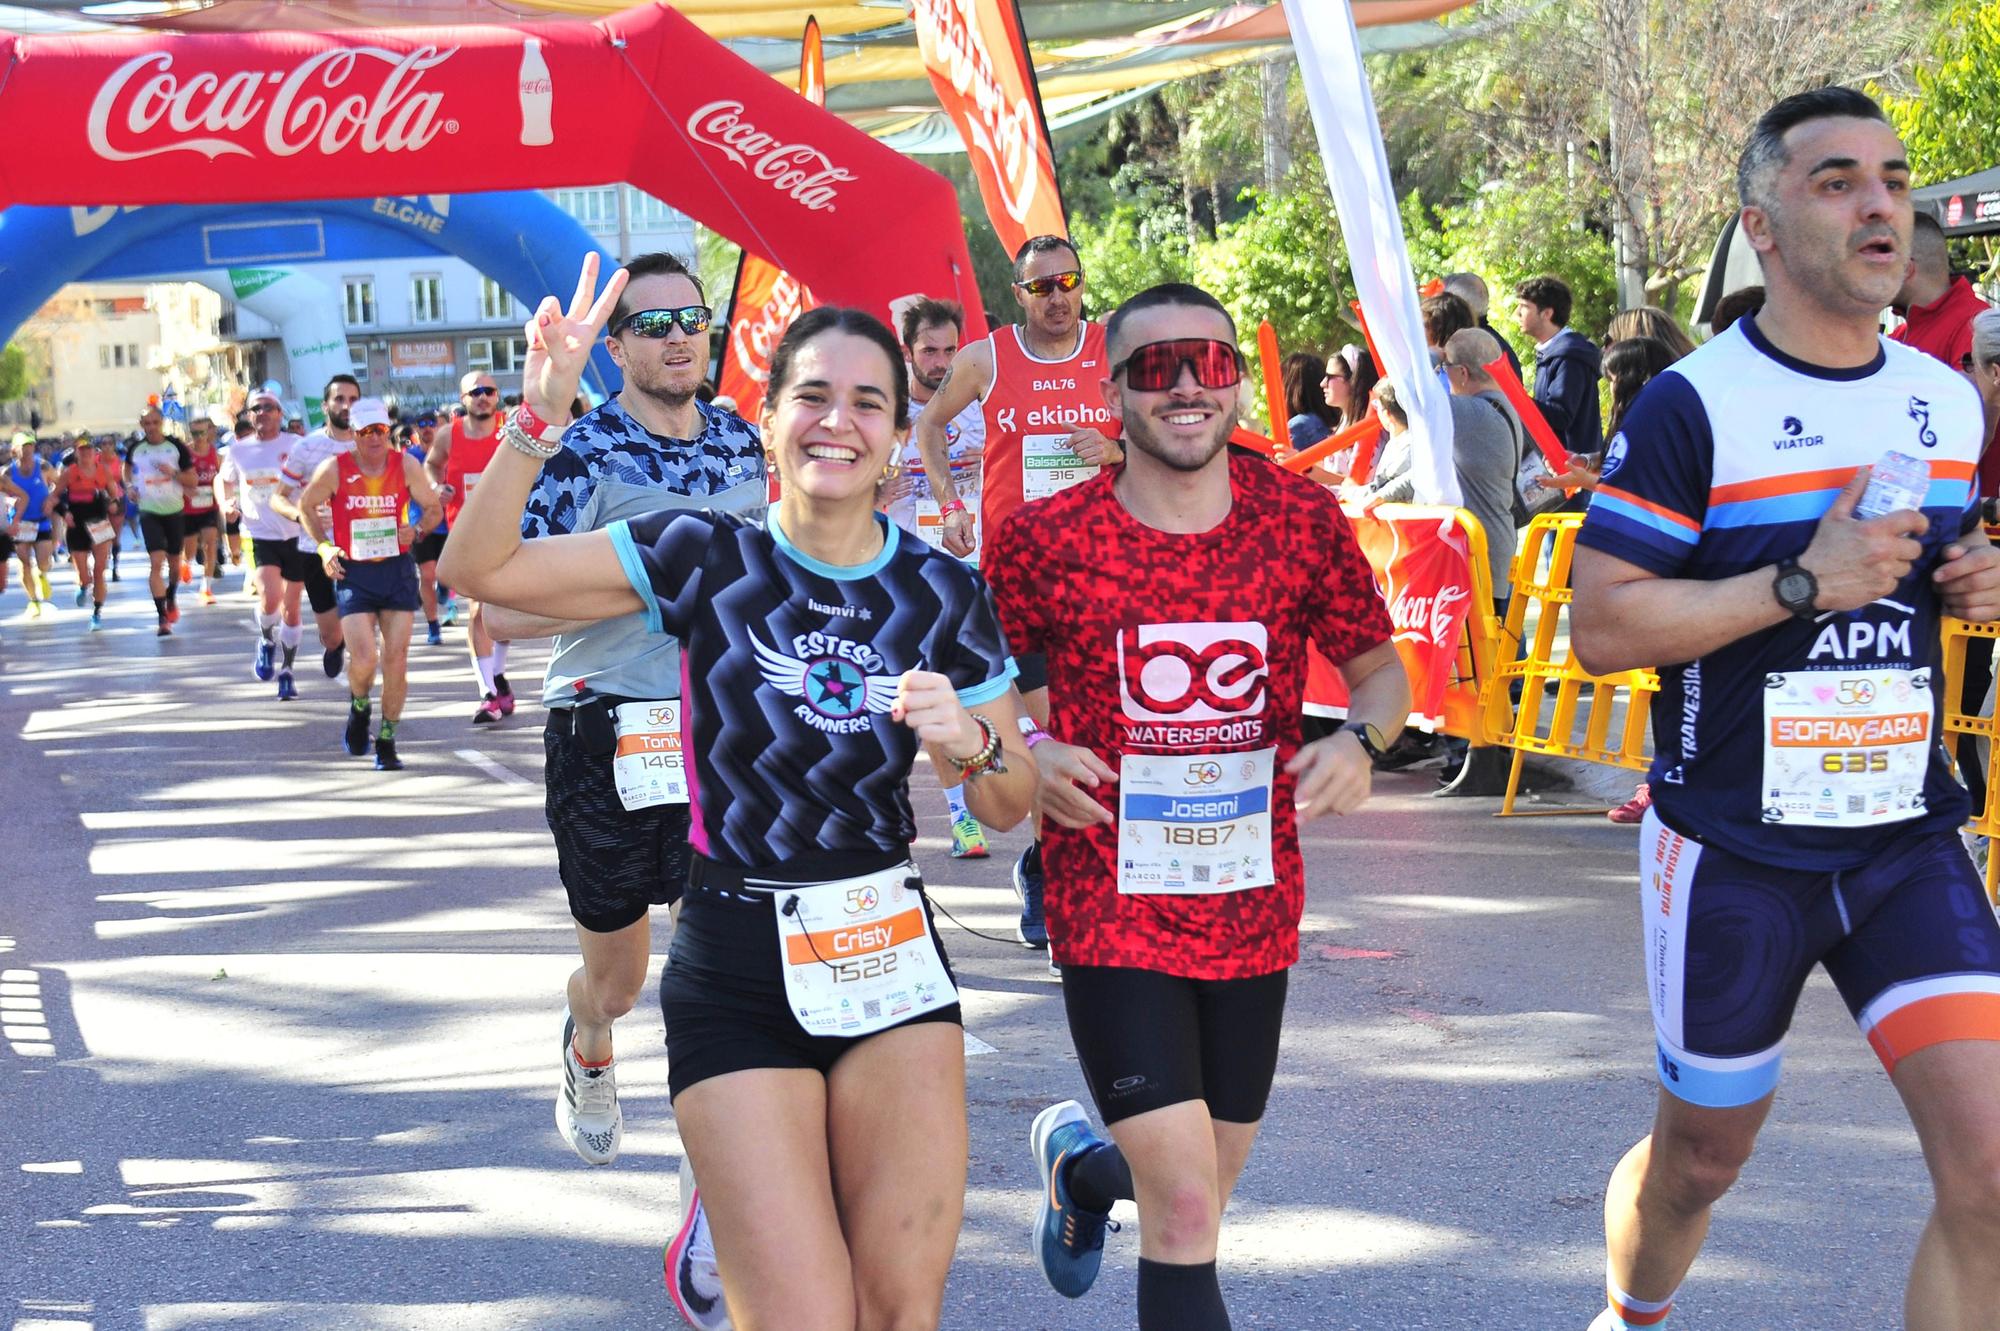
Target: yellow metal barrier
<point x="1958" y="636"/>
<point x="1583" y="725"/>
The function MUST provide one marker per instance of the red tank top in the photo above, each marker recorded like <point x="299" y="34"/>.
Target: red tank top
<point x="87" y="483"/>
<point x="1032" y="408"/>
<point x="463" y="467"/>
<point x="206" y="465"/>
<point x="368" y="509"/>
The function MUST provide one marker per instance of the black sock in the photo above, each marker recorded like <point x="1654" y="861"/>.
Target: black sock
<point x="160" y="606"/>
<point x="1031" y="858"/>
<point x="172" y="583"/>
<point x="502" y="687"/>
<point x="1180" y="1298"/>
<point x="1098" y="1178"/>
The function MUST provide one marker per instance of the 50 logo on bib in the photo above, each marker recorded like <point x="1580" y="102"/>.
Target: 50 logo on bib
<point x="1193" y="672"/>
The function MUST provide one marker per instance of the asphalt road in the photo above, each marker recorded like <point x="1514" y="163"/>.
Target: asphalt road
<point x="278" y="1040"/>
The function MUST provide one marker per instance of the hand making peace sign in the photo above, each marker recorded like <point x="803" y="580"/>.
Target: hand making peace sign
<point x="560" y="342"/>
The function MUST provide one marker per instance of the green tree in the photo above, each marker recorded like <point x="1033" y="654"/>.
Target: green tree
<point x="14" y="375"/>
<point x="1947" y="118"/>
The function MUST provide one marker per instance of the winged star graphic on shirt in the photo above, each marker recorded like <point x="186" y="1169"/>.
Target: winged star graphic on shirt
<point x="838" y="695"/>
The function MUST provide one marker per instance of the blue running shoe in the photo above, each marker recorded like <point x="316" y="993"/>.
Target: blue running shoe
<point x="267" y="653"/>
<point x="435" y="638"/>
<point x="1032" y="930"/>
<point x="286" y="690"/>
<point x="1069" y="1241"/>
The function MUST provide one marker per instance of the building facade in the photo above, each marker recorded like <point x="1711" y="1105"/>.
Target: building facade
<point x="98" y="351"/>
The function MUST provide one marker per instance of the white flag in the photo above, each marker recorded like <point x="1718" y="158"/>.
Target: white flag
<point x="1350" y="144"/>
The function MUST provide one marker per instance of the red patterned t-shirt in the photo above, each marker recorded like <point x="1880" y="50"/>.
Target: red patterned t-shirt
<point x="1189" y="651"/>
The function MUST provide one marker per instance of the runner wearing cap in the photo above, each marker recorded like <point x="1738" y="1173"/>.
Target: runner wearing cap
<point x="1174" y="780"/>
<point x="331" y="440"/>
<point x="161" y="471"/>
<point x="1046" y="429"/>
<point x="247" y="485"/>
<point x="366" y="551"/>
<point x="87" y="490"/>
<point x="34" y="537"/>
<point x="203" y="540"/>
<point x="821" y="652"/>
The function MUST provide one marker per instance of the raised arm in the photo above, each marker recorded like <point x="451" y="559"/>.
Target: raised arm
<point x="581" y="576"/>
<point x="965" y="382"/>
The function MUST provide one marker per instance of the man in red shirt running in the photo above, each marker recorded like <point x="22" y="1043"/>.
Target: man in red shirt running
<point x="1174" y="781"/>
<point x="457" y="458"/>
<point x="1047" y="429"/>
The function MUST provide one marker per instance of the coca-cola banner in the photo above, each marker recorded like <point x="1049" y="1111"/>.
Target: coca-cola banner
<point x="979" y="64"/>
<point x="640" y="96"/>
<point x="1425" y="578"/>
<point x="767" y="300"/>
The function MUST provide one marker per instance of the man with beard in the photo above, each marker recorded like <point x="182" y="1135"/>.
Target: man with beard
<point x="455" y="460"/>
<point x="931" y="330"/>
<point x="1173" y="797"/>
<point x="622" y="837"/>
<point x="334" y="439"/>
<point x="1784" y="516"/>
<point x="1046" y="430"/>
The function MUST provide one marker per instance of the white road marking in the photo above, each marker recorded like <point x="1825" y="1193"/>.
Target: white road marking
<point x="506" y="776"/>
<point x="975" y="1046"/>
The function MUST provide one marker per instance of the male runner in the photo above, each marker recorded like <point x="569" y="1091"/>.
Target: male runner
<point x="161" y="470"/>
<point x="248" y="485"/>
<point x="332" y="440"/>
<point x="431" y="544"/>
<point x="1174" y="786"/>
<point x="1748" y="542"/>
<point x="622" y="851"/>
<point x="34" y="535"/>
<point x="1047" y="428"/>
<point x="199" y="514"/>
<point x="455" y="459"/>
<point x="931" y="331"/>
<point x="366" y="551"/>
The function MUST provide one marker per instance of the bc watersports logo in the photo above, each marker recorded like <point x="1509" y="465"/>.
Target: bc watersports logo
<point x="1193" y="672"/>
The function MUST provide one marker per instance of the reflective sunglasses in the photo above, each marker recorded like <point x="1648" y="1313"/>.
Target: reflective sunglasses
<point x="1156" y="367"/>
<point x="372" y="429"/>
<point x="1042" y="286"/>
<point x="692" y="319"/>
<point x="482" y="392"/>
<point x="267" y="406"/>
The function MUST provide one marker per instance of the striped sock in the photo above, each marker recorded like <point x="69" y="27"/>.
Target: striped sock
<point x="1629" y="1314"/>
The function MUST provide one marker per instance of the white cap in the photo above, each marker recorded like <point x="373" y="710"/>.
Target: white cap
<point x="262" y="396"/>
<point x="367" y="411"/>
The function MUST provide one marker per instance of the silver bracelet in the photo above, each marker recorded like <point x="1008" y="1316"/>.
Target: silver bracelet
<point x="521" y="441"/>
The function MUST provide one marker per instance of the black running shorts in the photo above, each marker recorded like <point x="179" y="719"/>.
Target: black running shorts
<point x="1147" y="1040"/>
<point x="319" y="587"/>
<point x="722" y="993"/>
<point x="428" y="547"/>
<point x="615" y="863"/>
<point x="283" y="554"/>
<point x="162" y="532"/>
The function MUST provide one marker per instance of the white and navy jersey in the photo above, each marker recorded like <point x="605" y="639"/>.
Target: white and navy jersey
<point x="1725" y="464"/>
<point x="790" y="668"/>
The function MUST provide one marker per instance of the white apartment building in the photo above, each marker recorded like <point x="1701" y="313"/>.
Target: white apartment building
<point x="98" y="351"/>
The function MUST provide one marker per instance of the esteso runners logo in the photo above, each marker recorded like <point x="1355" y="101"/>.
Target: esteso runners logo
<point x="327" y="102"/>
<point x="1194" y="683"/>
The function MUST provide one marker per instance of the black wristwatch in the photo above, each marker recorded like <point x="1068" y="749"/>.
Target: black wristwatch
<point x="1373" y="742"/>
<point x="1796" y="589"/>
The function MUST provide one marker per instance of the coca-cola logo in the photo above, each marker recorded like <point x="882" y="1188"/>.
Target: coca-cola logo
<point x="798" y="170"/>
<point x="1430" y="619"/>
<point x="145" y="109"/>
<point x="1193" y="672"/>
<point x="1007" y="134"/>
<point x="755" y="336"/>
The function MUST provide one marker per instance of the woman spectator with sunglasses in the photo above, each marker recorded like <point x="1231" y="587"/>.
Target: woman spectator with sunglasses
<point x="815" y="1056"/>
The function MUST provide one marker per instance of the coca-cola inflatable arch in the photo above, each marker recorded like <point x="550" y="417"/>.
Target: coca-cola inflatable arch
<point x="641" y="96"/>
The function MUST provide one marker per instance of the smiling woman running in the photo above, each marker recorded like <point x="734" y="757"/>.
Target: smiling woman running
<point x="814" y="1049"/>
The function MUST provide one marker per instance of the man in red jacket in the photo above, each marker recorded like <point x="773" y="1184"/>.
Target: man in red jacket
<point x="1937" y="306"/>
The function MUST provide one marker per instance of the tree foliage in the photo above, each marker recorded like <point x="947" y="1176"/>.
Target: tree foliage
<point x="1947" y="115"/>
<point x="14" y="373"/>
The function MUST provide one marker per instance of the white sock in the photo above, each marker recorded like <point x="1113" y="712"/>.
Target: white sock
<point x="955" y="797"/>
<point x="291" y="635"/>
<point x="265" y="623"/>
<point x="483" y="667"/>
<point x="1629" y="1314"/>
<point x="499" y="658"/>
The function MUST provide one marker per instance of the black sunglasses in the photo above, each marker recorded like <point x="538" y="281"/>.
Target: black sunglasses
<point x="481" y="392"/>
<point x="691" y="319"/>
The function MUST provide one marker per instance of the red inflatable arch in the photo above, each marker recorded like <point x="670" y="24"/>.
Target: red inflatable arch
<point x="642" y="96"/>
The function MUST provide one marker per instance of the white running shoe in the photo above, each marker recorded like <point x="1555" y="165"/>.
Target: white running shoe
<point x="587" y="1112"/>
<point x="693" y="1282"/>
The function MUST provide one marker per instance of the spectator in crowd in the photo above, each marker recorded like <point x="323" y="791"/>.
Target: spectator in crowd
<point x="1629" y="365"/>
<point x="1567" y="364"/>
<point x="1310" y="418"/>
<point x="1355" y="398"/>
<point x="1445" y="314"/>
<point x="242" y="427"/>
<point x="1471" y="288"/>
<point x="1392" y="481"/>
<point x="1937" y="305"/>
<point x="1646" y="321"/>
<point x="1486" y="443"/>
<point x="1742" y="301"/>
<point x="1334" y="382"/>
<point x="1985" y="354"/>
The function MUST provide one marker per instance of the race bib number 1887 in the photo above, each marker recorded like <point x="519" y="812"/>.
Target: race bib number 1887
<point x="1193" y="824"/>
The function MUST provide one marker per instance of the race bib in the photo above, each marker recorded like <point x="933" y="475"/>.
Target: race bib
<point x="1048" y="467"/>
<point x="1846" y="749"/>
<point x="262" y="487"/>
<point x="1195" y="824"/>
<point x="647" y="766"/>
<point x="204" y="497"/>
<point x="373" y="538"/>
<point x="100" y="531"/>
<point x="859" y="955"/>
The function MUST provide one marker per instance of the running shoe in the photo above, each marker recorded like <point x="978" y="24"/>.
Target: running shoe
<point x="207" y="596"/>
<point x="332" y="659"/>
<point x="42" y="581"/>
<point x="434" y="637"/>
<point x="693" y="1283"/>
<point x="286" y="689"/>
<point x="1032" y="929"/>
<point x="187" y="575"/>
<point x="587" y="1112"/>
<point x="355" y="737"/>
<point x="173" y="613"/>
<point x="449" y="614"/>
<point x="1068" y="1240"/>
<point x="505" y="697"/>
<point x="34" y="609"/>
<point x="163" y="631"/>
<point x="1633" y="810"/>
<point x="96" y="619"/>
<point x="967" y="841"/>
<point x="267" y="659"/>
<point x="82" y="595"/>
<point x="488" y="712"/>
<point x="385" y="756"/>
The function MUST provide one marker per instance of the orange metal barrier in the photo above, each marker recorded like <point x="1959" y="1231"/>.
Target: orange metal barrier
<point x="1958" y="636"/>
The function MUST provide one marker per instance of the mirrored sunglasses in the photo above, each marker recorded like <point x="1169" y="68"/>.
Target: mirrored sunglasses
<point x="1156" y="367"/>
<point x="1042" y="286"/>
<point x="691" y="319"/>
